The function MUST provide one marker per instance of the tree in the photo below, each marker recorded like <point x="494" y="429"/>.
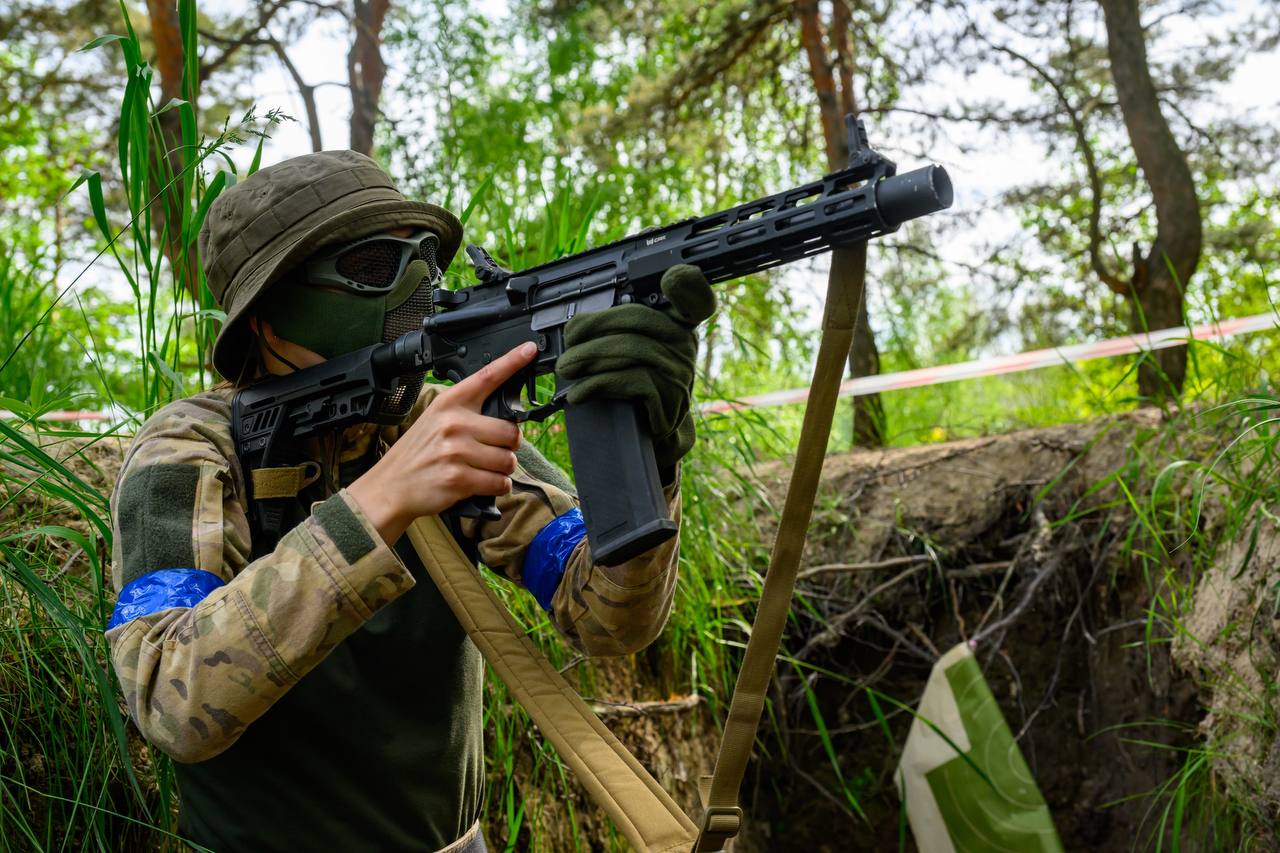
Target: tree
<point x="829" y="49"/>
<point x="50" y="106"/>
<point x="281" y="22"/>
<point x="1157" y="283"/>
<point x="1116" y="114"/>
<point x="365" y="69"/>
<point x="532" y="137"/>
<point x="365" y="75"/>
<point x="744" y="46"/>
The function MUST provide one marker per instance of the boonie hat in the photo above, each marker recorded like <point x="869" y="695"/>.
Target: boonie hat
<point x="260" y="228"/>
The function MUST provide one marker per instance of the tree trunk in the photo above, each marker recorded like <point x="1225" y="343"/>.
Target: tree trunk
<point x="1160" y="276"/>
<point x="834" y="101"/>
<point x="366" y="70"/>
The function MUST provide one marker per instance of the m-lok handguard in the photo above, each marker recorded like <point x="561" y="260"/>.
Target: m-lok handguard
<point x="610" y="445"/>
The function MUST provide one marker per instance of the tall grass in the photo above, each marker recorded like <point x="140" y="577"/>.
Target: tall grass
<point x="71" y="776"/>
<point x="1203" y="524"/>
<point x="1188" y="507"/>
<point x="74" y="774"/>
<point x="168" y="193"/>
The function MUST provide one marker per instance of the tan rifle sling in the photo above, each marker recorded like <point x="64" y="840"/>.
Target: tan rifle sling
<point x="645" y="813"/>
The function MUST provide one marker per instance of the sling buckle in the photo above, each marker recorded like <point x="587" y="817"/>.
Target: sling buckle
<point x="719" y="824"/>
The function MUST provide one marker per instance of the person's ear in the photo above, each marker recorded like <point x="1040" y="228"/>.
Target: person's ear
<point x="261" y="328"/>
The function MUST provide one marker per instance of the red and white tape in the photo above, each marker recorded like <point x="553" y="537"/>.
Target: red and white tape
<point x="996" y="365"/>
<point x="69" y="416"/>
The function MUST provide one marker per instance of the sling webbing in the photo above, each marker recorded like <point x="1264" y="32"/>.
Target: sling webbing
<point x="848" y="266"/>
<point x="645" y="813"/>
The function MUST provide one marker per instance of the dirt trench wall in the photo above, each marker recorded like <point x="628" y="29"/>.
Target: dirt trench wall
<point x="1231" y="646"/>
<point x="1024" y="542"/>
<point x="1007" y="539"/>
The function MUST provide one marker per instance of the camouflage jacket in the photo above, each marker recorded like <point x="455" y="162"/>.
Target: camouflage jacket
<point x="196" y="676"/>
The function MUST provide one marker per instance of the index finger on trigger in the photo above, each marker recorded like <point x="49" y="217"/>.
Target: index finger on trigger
<point x="479" y="385"/>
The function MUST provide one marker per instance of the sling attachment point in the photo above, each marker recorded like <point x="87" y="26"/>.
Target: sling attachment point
<point x="285" y="481"/>
<point x="719" y="824"/>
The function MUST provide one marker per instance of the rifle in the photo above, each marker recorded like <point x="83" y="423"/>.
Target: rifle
<point x="610" y="447"/>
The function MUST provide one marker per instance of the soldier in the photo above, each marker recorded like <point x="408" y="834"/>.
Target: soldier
<point x="318" y="693"/>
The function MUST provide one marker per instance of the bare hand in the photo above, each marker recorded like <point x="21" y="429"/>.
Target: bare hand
<point x="452" y="452"/>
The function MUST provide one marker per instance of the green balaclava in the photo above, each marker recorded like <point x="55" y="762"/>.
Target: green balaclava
<point x="357" y="293"/>
<point x="363" y="292"/>
<point x="260" y="231"/>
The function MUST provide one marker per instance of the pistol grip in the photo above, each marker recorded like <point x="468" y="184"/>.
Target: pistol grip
<point x="503" y="403"/>
<point x="484" y="507"/>
<point x="617" y="480"/>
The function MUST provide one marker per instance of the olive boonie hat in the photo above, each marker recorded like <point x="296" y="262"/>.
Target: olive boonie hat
<point x="261" y="227"/>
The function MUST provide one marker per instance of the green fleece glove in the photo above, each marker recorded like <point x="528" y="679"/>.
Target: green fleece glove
<point x="634" y="352"/>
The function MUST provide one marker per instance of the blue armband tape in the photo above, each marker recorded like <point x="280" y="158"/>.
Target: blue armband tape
<point x="545" y="560"/>
<point x="161" y="590"/>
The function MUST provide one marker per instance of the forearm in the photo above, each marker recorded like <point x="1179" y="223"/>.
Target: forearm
<point x="194" y="677"/>
<point x="603" y="610"/>
<point x="616" y="610"/>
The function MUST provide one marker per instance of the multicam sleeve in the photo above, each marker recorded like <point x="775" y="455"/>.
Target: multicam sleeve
<point x="540" y="542"/>
<point x="203" y="640"/>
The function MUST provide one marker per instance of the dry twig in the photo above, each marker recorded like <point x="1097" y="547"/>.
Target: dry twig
<point x="607" y="710"/>
<point x="891" y="563"/>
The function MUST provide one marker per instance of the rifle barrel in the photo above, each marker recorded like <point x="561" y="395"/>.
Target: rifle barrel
<point x="915" y="194"/>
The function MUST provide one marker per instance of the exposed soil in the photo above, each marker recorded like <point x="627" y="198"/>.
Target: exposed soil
<point x="1077" y="686"/>
<point x="1008" y="539"/>
<point x="1234" y="655"/>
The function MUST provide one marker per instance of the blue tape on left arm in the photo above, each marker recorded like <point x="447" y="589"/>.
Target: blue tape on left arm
<point x="161" y="590"/>
<point x="548" y="553"/>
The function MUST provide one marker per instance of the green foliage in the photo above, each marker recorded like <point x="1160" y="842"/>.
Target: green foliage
<point x="44" y="365"/>
<point x="77" y="777"/>
<point x="46" y="100"/>
<point x="1060" y="49"/>
<point x="74" y="776"/>
<point x="534" y="140"/>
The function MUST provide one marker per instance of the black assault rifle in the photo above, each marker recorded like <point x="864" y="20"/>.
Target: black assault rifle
<point x="609" y="442"/>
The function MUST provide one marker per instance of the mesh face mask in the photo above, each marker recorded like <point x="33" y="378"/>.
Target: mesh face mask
<point x="363" y="292"/>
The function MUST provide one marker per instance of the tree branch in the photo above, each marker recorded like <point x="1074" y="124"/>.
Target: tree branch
<point x="247" y="38"/>
<point x="307" y="93"/>
<point x="607" y="710"/>
<point x="1110" y="279"/>
<point x="734" y="44"/>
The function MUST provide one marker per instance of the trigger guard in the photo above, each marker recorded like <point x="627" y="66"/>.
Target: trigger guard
<point x="499" y="405"/>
